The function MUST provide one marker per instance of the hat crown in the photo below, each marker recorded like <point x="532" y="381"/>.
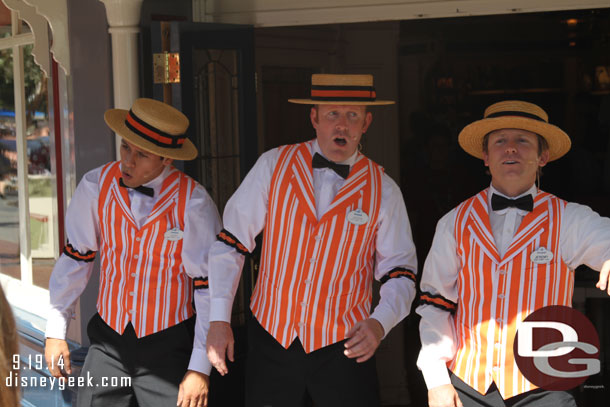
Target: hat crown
<point x="518" y="107"/>
<point x="341" y="80"/>
<point x="161" y="116"/>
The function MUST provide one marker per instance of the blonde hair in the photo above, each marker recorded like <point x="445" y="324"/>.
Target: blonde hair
<point x="9" y="396"/>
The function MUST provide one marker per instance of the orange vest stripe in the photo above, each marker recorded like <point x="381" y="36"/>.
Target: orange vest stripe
<point x="142" y="279"/>
<point x="496" y="294"/>
<point x="315" y="280"/>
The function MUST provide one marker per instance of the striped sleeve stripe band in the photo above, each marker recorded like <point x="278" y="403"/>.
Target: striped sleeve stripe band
<point x="200" y="283"/>
<point x="396" y="273"/>
<point x="438" y="301"/>
<point x="227" y="238"/>
<point x="71" y="252"/>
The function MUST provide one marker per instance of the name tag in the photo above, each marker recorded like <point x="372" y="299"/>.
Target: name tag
<point x="541" y="256"/>
<point x="174" y="234"/>
<point x="357" y="217"/>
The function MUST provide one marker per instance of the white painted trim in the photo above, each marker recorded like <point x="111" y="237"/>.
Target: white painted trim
<point x="16" y="40"/>
<point x="30" y="298"/>
<point x="23" y="196"/>
<point x="56" y="13"/>
<point x="40" y="32"/>
<point x="124" y="25"/>
<point x="268" y="13"/>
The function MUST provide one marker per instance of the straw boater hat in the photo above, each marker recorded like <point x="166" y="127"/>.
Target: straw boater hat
<point x="155" y="127"/>
<point x="514" y="114"/>
<point x="328" y="89"/>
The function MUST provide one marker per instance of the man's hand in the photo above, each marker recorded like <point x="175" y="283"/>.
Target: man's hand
<point x="53" y="350"/>
<point x="220" y="342"/>
<point x="364" y="338"/>
<point x="602" y="284"/>
<point x="193" y="391"/>
<point x="443" y="396"/>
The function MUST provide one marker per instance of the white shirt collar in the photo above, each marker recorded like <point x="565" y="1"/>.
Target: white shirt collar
<point x="350" y="161"/>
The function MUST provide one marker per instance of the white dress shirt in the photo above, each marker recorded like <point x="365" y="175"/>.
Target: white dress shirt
<point x="584" y="239"/>
<point x="70" y="277"/>
<point x="245" y="217"/>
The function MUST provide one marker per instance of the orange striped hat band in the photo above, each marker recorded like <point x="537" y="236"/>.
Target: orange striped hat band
<point x="343" y="93"/>
<point x="152" y="134"/>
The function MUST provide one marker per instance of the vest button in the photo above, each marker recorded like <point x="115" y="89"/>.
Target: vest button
<point x="502" y="271"/>
<point x="136" y="257"/>
<point x="307" y="282"/>
<point x="131" y="293"/>
<point x="312" y="260"/>
<point x="501" y="296"/>
<point x="133" y="274"/>
<point x="303" y="304"/>
<point x="499" y="320"/>
<point x="301" y="324"/>
<point x="318" y="237"/>
<point x="138" y="239"/>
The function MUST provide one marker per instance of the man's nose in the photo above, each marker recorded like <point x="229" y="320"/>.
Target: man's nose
<point x="342" y="122"/>
<point x="511" y="147"/>
<point x="128" y="160"/>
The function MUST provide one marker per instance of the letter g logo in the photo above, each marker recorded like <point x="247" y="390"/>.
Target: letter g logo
<point x="548" y="351"/>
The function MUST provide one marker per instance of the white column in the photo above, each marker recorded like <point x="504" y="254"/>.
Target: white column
<point x="124" y="25"/>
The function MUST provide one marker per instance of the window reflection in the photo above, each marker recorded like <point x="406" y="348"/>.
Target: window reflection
<point x="40" y="179"/>
<point x="9" y="208"/>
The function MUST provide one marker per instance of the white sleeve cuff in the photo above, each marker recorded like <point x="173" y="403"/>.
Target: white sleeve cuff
<point x="436" y="374"/>
<point x="57" y="325"/>
<point x="386" y="319"/>
<point x="199" y="362"/>
<point x="220" y="310"/>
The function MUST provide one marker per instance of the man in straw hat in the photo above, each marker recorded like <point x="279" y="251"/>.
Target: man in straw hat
<point x="499" y="256"/>
<point x="152" y="226"/>
<point x="333" y="221"/>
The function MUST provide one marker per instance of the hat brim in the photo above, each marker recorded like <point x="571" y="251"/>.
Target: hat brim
<point x="471" y="137"/>
<point x="115" y="119"/>
<point x="342" y="102"/>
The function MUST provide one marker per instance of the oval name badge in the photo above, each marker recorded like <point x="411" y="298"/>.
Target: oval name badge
<point x="541" y="256"/>
<point x="174" y="234"/>
<point x="357" y="217"/>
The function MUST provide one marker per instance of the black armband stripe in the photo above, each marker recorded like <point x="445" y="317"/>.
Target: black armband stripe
<point x="438" y="301"/>
<point x="71" y="252"/>
<point x="227" y="238"/>
<point x="397" y="273"/>
<point x="200" y="283"/>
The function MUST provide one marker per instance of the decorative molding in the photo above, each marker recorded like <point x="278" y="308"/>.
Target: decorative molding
<point x="123" y="13"/>
<point x="270" y="13"/>
<point x="56" y="13"/>
<point x="38" y="25"/>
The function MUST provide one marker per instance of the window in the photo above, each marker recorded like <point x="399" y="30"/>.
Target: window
<point x="29" y="226"/>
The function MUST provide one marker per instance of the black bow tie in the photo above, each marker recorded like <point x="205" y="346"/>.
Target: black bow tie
<point x="141" y="189"/>
<point x="320" y="162"/>
<point x="525" y="203"/>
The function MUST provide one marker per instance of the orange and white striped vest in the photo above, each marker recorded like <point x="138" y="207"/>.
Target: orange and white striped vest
<point x="142" y="279"/>
<point x="497" y="294"/>
<point x="315" y="278"/>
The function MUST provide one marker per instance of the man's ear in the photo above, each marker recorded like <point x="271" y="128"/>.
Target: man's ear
<point x="167" y="161"/>
<point x="368" y="119"/>
<point x="313" y="116"/>
<point x="486" y="159"/>
<point x="543" y="159"/>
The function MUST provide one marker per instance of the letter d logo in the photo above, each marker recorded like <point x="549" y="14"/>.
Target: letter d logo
<point x="557" y="348"/>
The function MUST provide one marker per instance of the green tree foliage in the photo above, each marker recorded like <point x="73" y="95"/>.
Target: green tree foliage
<point x="35" y="82"/>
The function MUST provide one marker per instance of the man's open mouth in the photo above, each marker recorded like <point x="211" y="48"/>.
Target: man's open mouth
<point x="340" y="141"/>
